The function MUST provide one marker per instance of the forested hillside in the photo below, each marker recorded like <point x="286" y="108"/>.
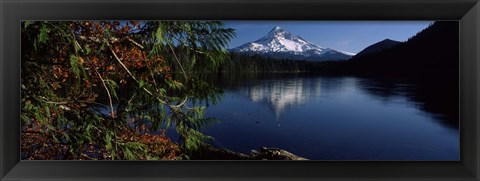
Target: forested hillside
<point x="433" y="51"/>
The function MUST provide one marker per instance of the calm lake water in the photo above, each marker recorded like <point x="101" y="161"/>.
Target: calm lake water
<point x="337" y="118"/>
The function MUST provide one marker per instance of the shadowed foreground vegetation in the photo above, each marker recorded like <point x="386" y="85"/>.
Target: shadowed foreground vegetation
<point x="71" y="67"/>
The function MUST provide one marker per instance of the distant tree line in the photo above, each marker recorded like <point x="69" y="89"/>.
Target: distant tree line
<point x="257" y="63"/>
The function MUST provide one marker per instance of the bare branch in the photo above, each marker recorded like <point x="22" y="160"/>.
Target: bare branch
<point x="98" y="40"/>
<point x="138" y="81"/>
<point x="53" y="102"/>
<point x="101" y="78"/>
<point x="182" y="103"/>
<point x="134" y="42"/>
<point x="131" y="75"/>
<point x="178" y="61"/>
<point x="195" y="50"/>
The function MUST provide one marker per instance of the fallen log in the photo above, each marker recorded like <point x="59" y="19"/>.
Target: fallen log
<point x="274" y="154"/>
<point x="264" y="153"/>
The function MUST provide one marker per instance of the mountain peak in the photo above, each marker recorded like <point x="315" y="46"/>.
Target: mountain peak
<point x="279" y="43"/>
<point x="278" y="31"/>
<point x="388" y="40"/>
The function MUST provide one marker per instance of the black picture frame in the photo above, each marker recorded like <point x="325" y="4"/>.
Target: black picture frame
<point x="465" y="11"/>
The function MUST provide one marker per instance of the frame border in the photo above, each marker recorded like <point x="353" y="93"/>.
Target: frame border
<point x="466" y="11"/>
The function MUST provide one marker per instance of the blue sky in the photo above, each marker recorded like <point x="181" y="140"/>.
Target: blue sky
<point x="350" y="36"/>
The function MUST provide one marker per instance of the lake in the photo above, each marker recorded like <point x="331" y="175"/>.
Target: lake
<point x="337" y="117"/>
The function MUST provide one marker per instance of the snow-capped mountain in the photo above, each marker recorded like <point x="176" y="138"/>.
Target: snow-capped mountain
<point x="281" y="44"/>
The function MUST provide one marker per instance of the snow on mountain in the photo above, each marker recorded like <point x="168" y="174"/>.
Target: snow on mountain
<point x="281" y="44"/>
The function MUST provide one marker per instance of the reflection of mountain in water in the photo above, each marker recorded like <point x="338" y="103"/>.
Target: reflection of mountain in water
<point x="295" y="92"/>
<point x="437" y="96"/>
<point x="280" y="95"/>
